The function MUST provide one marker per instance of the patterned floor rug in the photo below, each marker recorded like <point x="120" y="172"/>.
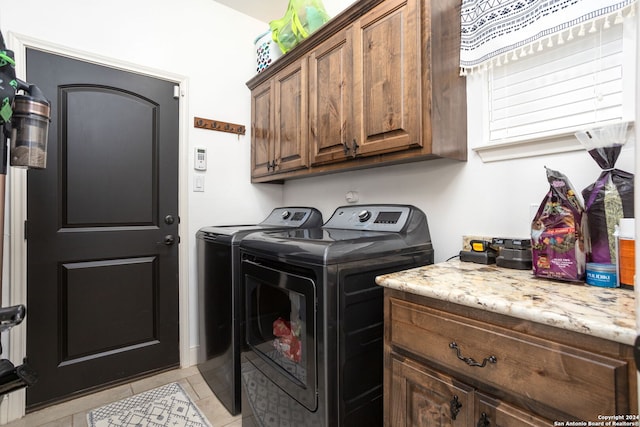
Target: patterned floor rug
<point x="166" y="406"/>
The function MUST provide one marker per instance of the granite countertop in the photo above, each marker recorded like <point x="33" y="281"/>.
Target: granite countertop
<point x="607" y="313"/>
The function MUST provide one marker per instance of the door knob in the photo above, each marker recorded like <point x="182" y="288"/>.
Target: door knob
<point x="169" y="240"/>
<point x="169" y="219"/>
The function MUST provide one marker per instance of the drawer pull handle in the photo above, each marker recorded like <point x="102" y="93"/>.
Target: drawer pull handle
<point x="470" y="361"/>
<point x="454" y="407"/>
<point x="484" y="420"/>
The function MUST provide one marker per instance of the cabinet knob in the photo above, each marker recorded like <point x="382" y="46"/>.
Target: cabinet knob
<point x="271" y="166"/>
<point x="454" y="407"/>
<point x="483" y="421"/>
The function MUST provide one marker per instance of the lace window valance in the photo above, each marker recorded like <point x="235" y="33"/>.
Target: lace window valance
<point x="496" y="31"/>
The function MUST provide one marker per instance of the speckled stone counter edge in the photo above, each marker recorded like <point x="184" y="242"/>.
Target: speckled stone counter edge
<point x="607" y="313"/>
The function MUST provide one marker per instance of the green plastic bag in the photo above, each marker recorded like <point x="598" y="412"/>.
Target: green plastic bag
<point x="302" y="18"/>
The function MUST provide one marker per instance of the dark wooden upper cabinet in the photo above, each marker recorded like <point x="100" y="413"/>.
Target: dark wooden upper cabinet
<point x="378" y="84"/>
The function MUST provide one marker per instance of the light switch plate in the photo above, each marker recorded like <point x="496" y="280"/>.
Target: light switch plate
<point x="198" y="182"/>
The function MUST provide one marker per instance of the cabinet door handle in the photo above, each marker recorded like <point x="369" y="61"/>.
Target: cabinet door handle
<point x="454" y="407"/>
<point x="470" y="361"/>
<point x="355" y="147"/>
<point x="346" y="148"/>
<point x="483" y="421"/>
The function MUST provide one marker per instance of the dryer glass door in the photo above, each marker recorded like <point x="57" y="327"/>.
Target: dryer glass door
<point x="281" y="328"/>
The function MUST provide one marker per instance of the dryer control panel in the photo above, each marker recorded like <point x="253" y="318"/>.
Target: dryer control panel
<point x="371" y="217"/>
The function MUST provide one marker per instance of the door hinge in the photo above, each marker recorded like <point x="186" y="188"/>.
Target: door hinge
<point x="25" y="229"/>
<point x="176" y="92"/>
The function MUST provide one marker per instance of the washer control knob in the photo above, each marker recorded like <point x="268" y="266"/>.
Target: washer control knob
<point x="285" y="214"/>
<point x="364" y="215"/>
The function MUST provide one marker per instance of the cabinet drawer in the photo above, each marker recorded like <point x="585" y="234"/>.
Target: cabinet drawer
<point x="422" y="397"/>
<point x="576" y="382"/>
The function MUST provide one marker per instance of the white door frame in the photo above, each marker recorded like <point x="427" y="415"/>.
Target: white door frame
<point x="13" y="405"/>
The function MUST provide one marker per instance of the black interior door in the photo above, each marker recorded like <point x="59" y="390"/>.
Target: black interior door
<point x="102" y="299"/>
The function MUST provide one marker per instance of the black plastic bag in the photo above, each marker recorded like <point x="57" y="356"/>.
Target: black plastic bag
<point x="611" y="196"/>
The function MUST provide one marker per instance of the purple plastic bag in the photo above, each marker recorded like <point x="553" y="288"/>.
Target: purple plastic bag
<point x="557" y="232"/>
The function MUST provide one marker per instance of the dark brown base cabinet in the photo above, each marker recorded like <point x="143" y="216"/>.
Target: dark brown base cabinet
<point x="378" y="84"/>
<point x="446" y="364"/>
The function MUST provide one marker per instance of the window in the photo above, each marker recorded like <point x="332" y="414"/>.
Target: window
<point x="534" y="99"/>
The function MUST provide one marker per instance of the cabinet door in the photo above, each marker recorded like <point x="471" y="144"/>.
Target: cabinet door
<point x="261" y="135"/>
<point x="422" y="397"/>
<point x="491" y="412"/>
<point x="387" y="55"/>
<point x="330" y="99"/>
<point x="291" y="120"/>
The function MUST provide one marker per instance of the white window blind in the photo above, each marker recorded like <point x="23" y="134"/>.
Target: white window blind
<point x="584" y="81"/>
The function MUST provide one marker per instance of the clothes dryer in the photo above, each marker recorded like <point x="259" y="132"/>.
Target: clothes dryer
<point x="314" y="315"/>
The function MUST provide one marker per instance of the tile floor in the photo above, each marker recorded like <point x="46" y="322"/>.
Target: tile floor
<point x="74" y="412"/>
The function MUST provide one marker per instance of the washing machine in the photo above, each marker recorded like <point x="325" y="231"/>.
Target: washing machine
<point x="219" y="297"/>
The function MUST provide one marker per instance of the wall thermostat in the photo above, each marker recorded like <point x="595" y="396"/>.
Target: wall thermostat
<point x="200" y="159"/>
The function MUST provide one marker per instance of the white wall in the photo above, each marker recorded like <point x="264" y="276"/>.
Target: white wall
<point x="209" y="44"/>
<point x="334" y="7"/>
<point x="459" y="198"/>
